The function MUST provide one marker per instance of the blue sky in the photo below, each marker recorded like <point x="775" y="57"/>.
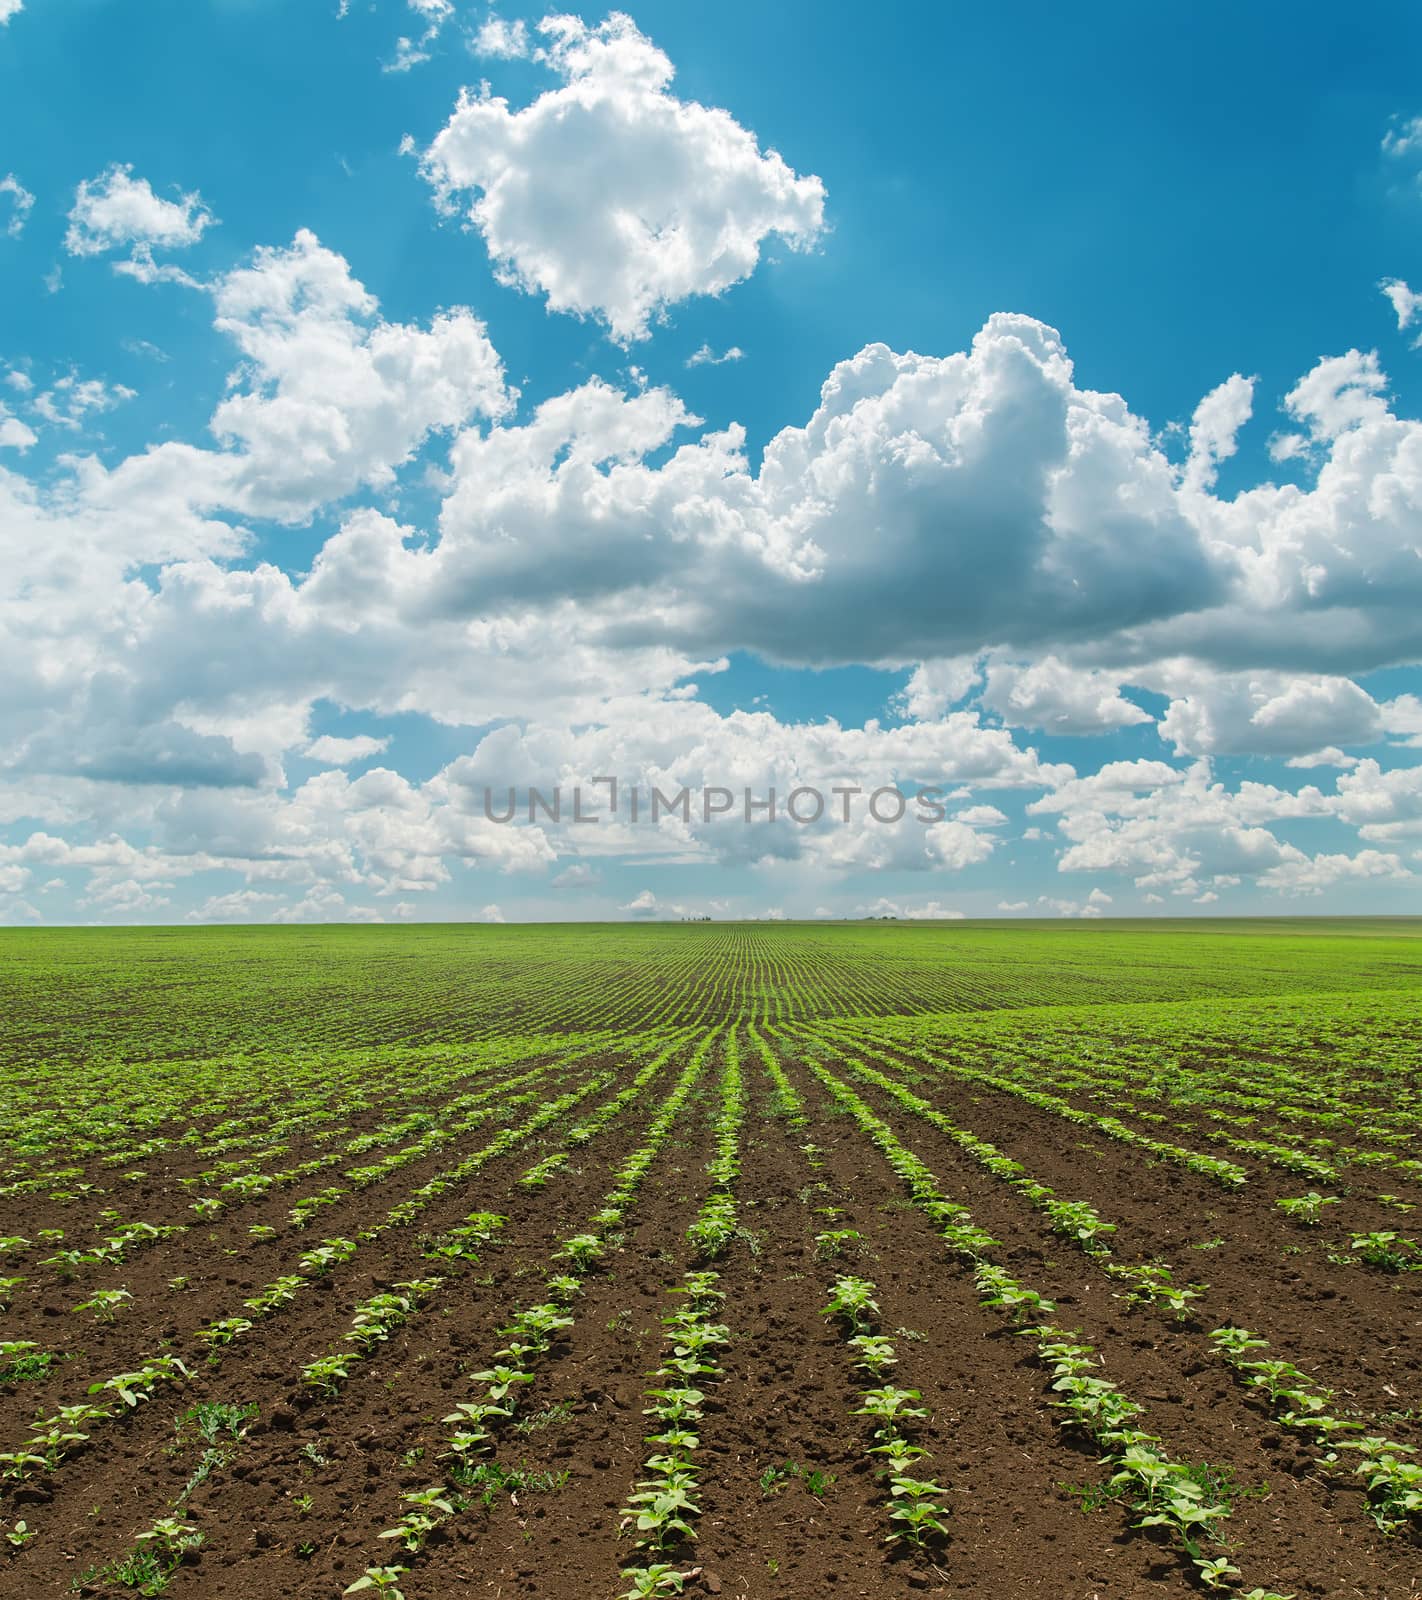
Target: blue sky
<point x="994" y="403"/>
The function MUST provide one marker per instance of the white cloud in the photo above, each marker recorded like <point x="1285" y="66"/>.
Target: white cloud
<point x="116" y="211"/>
<point x="936" y="685"/>
<point x="919" y="911"/>
<point x="1405" y="303"/>
<point x="1329" y="756"/>
<point x="1340" y="394"/>
<point x="71" y="399"/>
<point x="329" y="397"/>
<point x="506" y="41"/>
<point x="1302" y="874"/>
<point x="1214" y="430"/>
<point x="1171" y="830"/>
<point x="1093" y="906"/>
<point x="1266" y="713"/>
<point x="579" y="876"/>
<point x="8" y="9"/>
<point x="682" y="743"/>
<point x="1115" y="782"/>
<point x="336" y="752"/>
<point x="1012" y="905"/>
<point x="410" y="52"/>
<point x="1403" y="137"/>
<point x="241" y="905"/>
<point x="705" y="356"/>
<point x="644" y="904"/>
<point x="1402" y="719"/>
<point x="14" y="434"/>
<point x="1057" y="698"/>
<point x="1385" y="807"/>
<point x="21" y="200"/>
<point x="981" y="817"/>
<point x="1006" y="506"/>
<point x="610" y="196"/>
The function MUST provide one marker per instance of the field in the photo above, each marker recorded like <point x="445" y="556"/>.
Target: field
<point x="757" y="1260"/>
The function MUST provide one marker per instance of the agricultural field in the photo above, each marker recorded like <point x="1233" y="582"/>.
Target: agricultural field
<point x="761" y="1260"/>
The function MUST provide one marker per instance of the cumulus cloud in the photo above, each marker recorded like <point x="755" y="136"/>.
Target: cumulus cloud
<point x="610" y="196"/>
<point x="1267" y="713"/>
<point x="240" y="905"/>
<point x="981" y="817"/>
<point x="1006" y="506"/>
<point x="329" y="397"/>
<point x="1384" y="806"/>
<point x="1170" y="830"/>
<point x="1050" y="695"/>
<point x="117" y="211"/>
<point x="8" y="9"/>
<point x="645" y="906"/>
<point x="337" y="397"/>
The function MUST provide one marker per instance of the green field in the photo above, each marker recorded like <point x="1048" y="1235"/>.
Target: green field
<point x="138" y="993"/>
<point x="605" y="1261"/>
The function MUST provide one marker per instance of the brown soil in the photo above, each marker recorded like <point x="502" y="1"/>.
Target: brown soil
<point x="298" y="1508"/>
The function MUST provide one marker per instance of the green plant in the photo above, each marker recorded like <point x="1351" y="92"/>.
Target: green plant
<point x="657" y="1579"/>
<point x="209" y="1419"/>
<point x="1307" y="1208"/>
<point x="22" y="1361"/>
<point x="852" y="1300"/>
<point x="383" y="1580"/>
<point x="1388" y="1251"/>
<point x="915" y="1505"/>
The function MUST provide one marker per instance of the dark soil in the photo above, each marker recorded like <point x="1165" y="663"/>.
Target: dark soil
<point x="296" y="1507"/>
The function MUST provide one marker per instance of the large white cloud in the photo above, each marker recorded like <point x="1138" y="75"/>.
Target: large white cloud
<point x="930" y="506"/>
<point x="609" y="195"/>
